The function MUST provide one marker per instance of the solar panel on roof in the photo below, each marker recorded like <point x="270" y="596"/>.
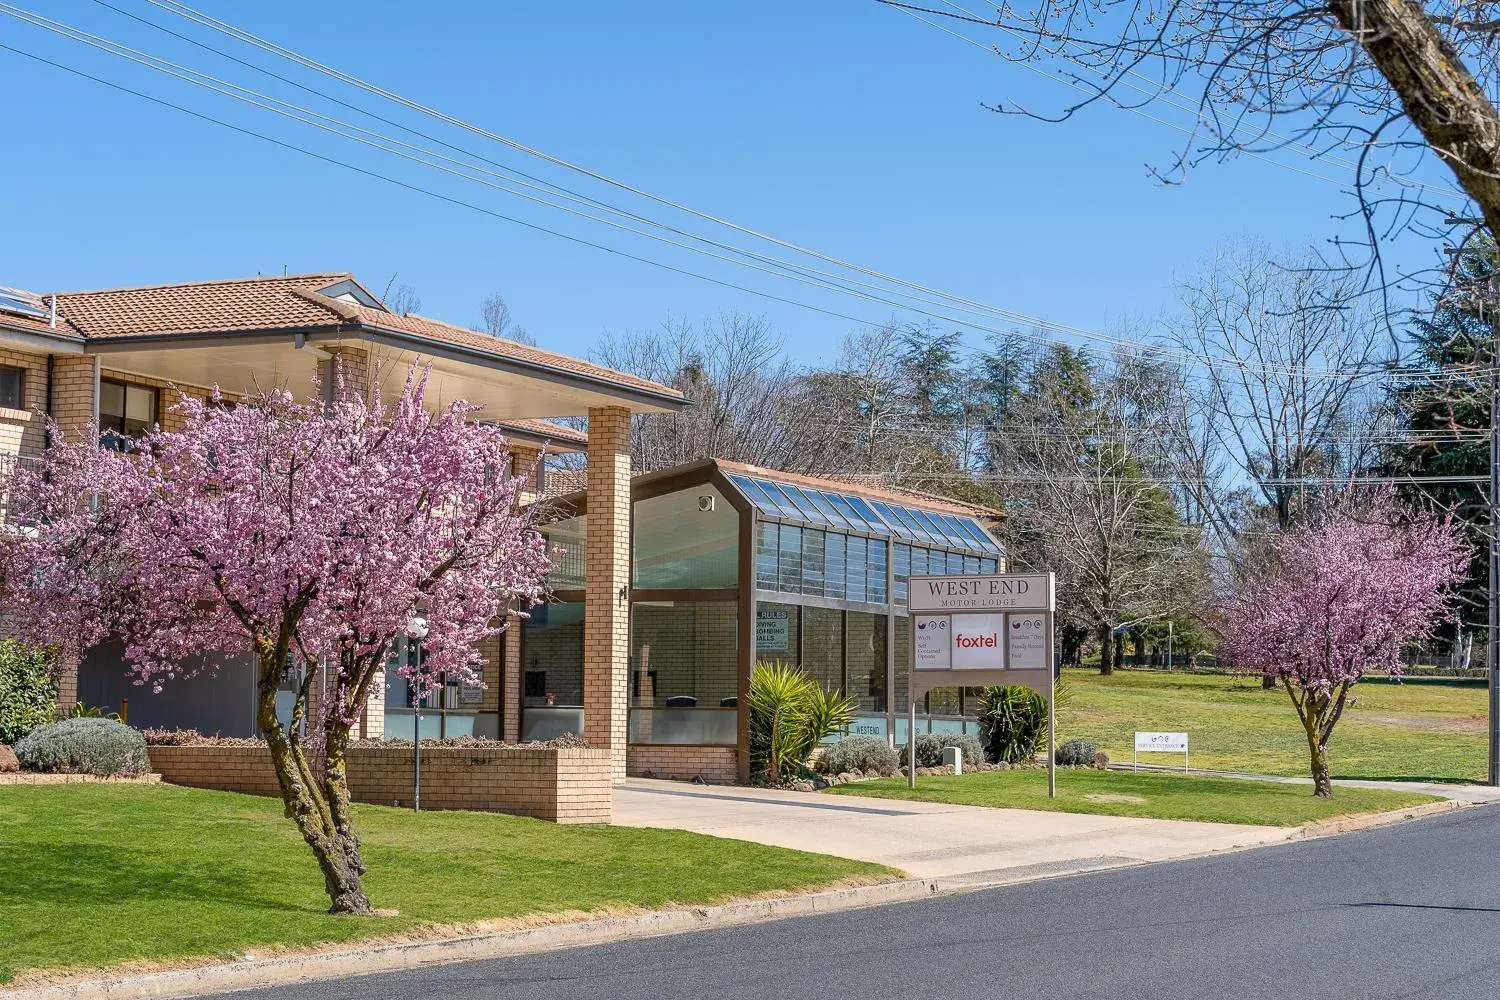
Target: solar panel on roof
<point x="808" y="501"/>
<point x="13" y="300"/>
<point x="827" y="508"/>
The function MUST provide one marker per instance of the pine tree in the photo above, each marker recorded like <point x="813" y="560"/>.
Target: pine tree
<point x="1446" y="418"/>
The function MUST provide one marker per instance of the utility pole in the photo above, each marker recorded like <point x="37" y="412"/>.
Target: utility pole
<point x="1491" y="299"/>
<point x="1492" y="647"/>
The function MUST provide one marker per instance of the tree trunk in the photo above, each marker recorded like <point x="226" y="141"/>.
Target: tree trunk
<point x="1267" y="682"/>
<point x="320" y="808"/>
<point x="1322" y="782"/>
<point x="1106" y="651"/>
<point x="1119" y="649"/>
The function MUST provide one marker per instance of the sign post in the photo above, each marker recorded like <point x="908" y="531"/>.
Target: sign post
<point x="973" y="631"/>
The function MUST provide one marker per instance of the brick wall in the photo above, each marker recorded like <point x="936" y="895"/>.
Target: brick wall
<point x="715" y="764"/>
<point x="561" y="785"/>
<point x="606" y="690"/>
<point x="73" y="393"/>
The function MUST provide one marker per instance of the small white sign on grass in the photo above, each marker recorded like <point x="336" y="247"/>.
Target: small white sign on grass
<point x="1161" y="743"/>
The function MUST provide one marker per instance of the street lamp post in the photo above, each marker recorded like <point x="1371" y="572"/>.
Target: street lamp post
<point x="416" y="629"/>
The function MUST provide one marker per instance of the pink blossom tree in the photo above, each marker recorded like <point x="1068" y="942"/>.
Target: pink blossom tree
<point x="290" y="530"/>
<point x="1340" y="595"/>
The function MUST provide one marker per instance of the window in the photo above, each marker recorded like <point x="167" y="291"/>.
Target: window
<point x="791" y="559"/>
<point x="812" y="562"/>
<point x="765" y="555"/>
<point x="902" y="570"/>
<point x="858" y="555"/>
<point x="684" y="665"/>
<point x="834" y="560"/>
<point x="678" y="544"/>
<point x="11" y="380"/>
<point x="567" y="548"/>
<point x="875" y="577"/>
<point x="125" y="410"/>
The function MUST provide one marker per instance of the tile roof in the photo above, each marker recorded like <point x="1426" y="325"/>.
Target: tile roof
<point x="261" y="303"/>
<point x="545" y="429"/>
<point x="431" y="329"/>
<point x="295" y="302"/>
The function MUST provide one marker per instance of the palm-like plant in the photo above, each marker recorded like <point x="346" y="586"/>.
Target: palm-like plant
<point x="790" y="713"/>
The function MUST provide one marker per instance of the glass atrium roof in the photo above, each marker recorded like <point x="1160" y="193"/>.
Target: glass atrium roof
<point x="879" y="517"/>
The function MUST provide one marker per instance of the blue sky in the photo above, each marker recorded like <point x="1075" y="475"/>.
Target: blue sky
<point x="839" y="124"/>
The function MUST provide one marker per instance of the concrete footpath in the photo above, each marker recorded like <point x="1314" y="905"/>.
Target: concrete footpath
<point x="958" y="844"/>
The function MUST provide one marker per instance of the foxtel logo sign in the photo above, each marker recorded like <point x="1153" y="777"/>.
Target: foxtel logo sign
<point x="977" y="643"/>
<point x="988" y="640"/>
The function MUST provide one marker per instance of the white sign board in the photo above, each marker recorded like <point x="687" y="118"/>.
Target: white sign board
<point x="932" y="642"/>
<point x="773" y="630"/>
<point x="1026" y="642"/>
<point x="1161" y="742"/>
<point x="978" y="642"/>
<point x="1006" y="592"/>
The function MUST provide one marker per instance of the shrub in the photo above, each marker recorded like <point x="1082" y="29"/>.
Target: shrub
<point x="790" y="714"/>
<point x="28" y="689"/>
<point x="1077" y="753"/>
<point x="1013" y="723"/>
<point x="859" y="753"/>
<point x="85" y="746"/>
<point x="930" y="748"/>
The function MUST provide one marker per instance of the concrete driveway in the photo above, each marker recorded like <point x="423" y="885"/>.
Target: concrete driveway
<point x="965" y="844"/>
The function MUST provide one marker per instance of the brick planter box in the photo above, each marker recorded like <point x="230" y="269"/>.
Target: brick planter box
<point x="564" y="785"/>
<point x="719" y="765"/>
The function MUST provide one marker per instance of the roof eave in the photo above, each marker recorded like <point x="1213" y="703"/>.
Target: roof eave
<point x="642" y="400"/>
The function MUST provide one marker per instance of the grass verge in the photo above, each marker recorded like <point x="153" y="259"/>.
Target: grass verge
<point x="1156" y="796"/>
<point x="99" y="875"/>
<point x="1393" y="731"/>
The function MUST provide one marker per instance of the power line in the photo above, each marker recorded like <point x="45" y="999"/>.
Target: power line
<point x="188" y="13"/>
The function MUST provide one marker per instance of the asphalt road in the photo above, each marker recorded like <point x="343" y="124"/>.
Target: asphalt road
<point x="1407" y="911"/>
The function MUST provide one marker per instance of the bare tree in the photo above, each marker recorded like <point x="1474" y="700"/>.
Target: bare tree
<point x="1271" y="411"/>
<point x="745" y="393"/>
<point x="1084" y="499"/>
<point x="404" y="300"/>
<point x="1393" y="93"/>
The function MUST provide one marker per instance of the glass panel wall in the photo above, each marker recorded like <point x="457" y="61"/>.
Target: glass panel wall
<point x="552" y="671"/>
<point x="568" y="549"/>
<point x="442" y="713"/>
<point x="865" y="666"/>
<point x="684" y="666"/>
<point x="676" y="544"/>
<point x="823" y="645"/>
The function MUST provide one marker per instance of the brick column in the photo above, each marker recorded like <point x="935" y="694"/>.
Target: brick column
<point x="75" y="382"/>
<point x="353" y="365"/>
<point x="67" y="678"/>
<point x="606" y="624"/>
<point x="510" y="680"/>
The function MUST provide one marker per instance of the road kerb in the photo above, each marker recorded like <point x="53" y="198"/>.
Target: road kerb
<point x="282" y="970"/>
<point x="1368" y="821"/>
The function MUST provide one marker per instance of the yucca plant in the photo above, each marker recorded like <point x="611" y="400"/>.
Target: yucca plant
<point x="1013" y="723"/>
<point x="790" y="713"/>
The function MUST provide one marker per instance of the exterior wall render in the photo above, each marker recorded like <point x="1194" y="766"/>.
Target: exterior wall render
<point x="606" y="642"/>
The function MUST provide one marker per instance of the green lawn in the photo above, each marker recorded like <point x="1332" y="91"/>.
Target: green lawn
<point x="1395" y="731"/>
<point x="1125" y="793"/>
<point x="102" y="874"/>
